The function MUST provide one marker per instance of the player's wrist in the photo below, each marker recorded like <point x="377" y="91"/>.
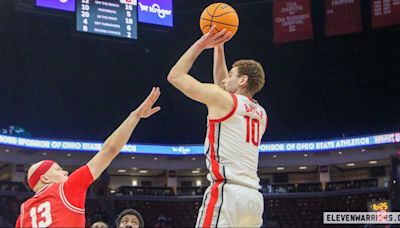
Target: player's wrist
<point x="199" y="46"/>
<point x="135" y="115"/>
<point x="219" y="47"/>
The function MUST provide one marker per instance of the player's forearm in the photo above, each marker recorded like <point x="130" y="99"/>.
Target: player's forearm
<point x="117" y="140"/>
<point x="113" y="145"/>
<point x="220" y="68"/>
<point x="184" y="64"/>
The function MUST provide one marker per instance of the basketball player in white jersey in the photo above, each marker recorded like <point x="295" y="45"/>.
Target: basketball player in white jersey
<point x="236" y="123"/>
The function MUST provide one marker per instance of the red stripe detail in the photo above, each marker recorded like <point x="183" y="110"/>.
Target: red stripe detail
<point x="68" y="204"/>
<point x="215" y="170"/>
<point x="214" y="162"/>
<point x="231" y="113"/>
<point x="211" y="205"/>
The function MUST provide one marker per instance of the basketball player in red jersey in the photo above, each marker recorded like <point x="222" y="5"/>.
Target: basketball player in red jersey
<point x="60" y="199"/>
<point x="236" y="123"/>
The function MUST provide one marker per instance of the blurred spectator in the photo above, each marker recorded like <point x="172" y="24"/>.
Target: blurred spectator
<point x="163" y="222"/>
<point x="100" y="214"/>
<point x="99" y="224"/>
<point x="129" y="218"/>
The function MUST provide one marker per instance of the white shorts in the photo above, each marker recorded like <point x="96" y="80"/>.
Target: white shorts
<point x="229" y="205"/>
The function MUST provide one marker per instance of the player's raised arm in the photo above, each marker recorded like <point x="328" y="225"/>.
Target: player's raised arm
<point x="220" y="68"/>
<point x="113" y="145"/>
<point x="205" y="93"/>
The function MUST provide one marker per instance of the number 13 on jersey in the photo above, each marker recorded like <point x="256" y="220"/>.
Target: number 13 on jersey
<point x="44" y="212"/>
<point x="252" y="131"/>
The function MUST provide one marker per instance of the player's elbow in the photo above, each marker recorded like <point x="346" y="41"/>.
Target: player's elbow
<point x="110" y="149"/>
<point x="172" y="77"/>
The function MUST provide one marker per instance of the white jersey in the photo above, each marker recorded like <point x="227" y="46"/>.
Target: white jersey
<point x="232" y="143"/>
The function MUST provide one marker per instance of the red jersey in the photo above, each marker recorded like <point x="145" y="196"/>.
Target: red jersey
<point x="58" y="205"/>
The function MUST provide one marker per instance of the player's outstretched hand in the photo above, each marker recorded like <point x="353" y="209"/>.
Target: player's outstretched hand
<point x="214" y="38"/>
<point x="146" y="108"/>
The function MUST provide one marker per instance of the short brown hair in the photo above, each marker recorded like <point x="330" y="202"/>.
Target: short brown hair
<point x="254" y="72"/>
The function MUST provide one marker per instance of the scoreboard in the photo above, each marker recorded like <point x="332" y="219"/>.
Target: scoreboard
<point x="116" y="18"/>
<point x="379" y="206"/>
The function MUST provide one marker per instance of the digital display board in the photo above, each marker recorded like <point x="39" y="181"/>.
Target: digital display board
<point x="379" y="206"/>
<point x="158" y="12"/>
<point x="65" y="5"/>
<point x="294" y="146"/>
<point x="116" y="18"/>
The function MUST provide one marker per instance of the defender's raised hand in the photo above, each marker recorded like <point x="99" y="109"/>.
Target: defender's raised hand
<point x="146" y="108"/>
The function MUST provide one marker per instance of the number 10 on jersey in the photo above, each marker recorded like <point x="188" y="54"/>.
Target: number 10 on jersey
<point x="252" y="131"/>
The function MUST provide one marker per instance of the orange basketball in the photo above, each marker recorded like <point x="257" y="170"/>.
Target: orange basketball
<point x="222" y="15"/>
